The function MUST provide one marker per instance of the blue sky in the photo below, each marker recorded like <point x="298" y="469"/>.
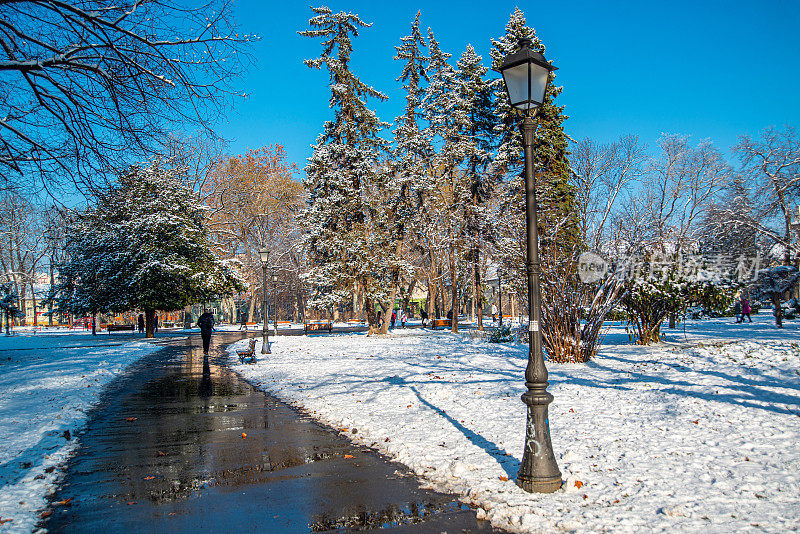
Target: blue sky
<point x="708" y="69"/>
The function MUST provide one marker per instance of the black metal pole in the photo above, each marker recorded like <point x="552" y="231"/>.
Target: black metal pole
<point x="538" y="471"/>
<point x="265" y="316"/>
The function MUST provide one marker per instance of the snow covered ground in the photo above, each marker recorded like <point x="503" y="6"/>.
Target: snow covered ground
<point x="699" y="434"/>
<point x="47" y="383"/>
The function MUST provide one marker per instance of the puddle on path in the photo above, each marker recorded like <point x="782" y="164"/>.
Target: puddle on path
<point x="164" y="452"/>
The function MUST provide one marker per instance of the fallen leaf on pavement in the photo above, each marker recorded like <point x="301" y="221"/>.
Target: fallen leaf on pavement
<point x="349" y="456"/>
<point x="46" y="513"/>
<point x="504" y="479"/>
<point x="129" y="503"/>
<point x="578" y="484"/>
<point x="244" y="435"/>
<point x="130" y="419"/>
<point x="151" y="477"/>
<point x="2" y="521"/>
<point x="65" y="502"/>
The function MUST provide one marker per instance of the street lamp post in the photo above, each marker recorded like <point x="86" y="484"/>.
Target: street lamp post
<point x="264" y="253"/>
<point x="526" y="74"/>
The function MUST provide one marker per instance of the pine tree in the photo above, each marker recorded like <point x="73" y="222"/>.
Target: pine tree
<point x="447" y="119"/>
<point x="476" y="127"/>
<point x="142" y="245"/>
<point x="348" y="239"/>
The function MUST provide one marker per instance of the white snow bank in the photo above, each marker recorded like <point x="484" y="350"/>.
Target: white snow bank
<point x="45" y="390"/>
<point x="663" y="438"/>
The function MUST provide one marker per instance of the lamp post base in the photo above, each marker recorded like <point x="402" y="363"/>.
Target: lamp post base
<point x="538" y="471"/>
<point x="540" y="485"/>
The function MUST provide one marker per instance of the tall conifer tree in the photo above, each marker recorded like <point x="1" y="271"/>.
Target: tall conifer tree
<point x="347" y="236"/>
<point x="476" y="125"/>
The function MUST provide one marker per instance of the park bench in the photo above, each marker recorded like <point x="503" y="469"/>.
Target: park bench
<point x="436" y="323"/>
<point x="317" y="326"/>
<point x="121" y="327"/>
<point x="248" y="355"/>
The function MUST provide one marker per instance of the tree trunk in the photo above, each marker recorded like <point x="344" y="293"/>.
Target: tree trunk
<point x="454" y="307"/>
<point x="94" y="323"/>
<point x="672" y="317"/>
<point x="372" y="317"/>
<point x="777" y="309"/>
<point x="355" y="300"/>
<point x="407" y="297"/>
<point x="431" y="299"/>
<point x="251" y="313"/>
<point x="149" y="320"/>
<point x="513" y="299"/>
<point x="387" y="310"/>
<point x="35" y="317"/>
<point x="50" y="304"/>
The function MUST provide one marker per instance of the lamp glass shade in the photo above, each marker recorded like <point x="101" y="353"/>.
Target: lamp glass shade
<point x="526" y="84"/>
<point x="264" y="253"/>
<point x="274" y="277"/>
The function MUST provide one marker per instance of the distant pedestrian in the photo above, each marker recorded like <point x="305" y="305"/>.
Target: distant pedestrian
<point x="155" y="323"/>
<point x="243" y="321"/>
<point x="494" y="312"/>
<point x="424" y="316"/>
<point x="450" y="314"/>
<point x="394" y="318"/>
<point x="403" y="318"/>
<point x="206" y="324"/>
<point x="737" y="311"/>
<point x="140" y="322"/>
<point x="746" y="309"/>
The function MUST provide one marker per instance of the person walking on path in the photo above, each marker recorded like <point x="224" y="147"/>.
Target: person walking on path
<point x="206" y="324"/>
<point x="140" y="322"/>
<point x="424" y="315"/>
<point x="243" y="321"/>
<point x="737" y="311"/>
<point x="494" y="312"/>
<point x="394" y="318"/>
<point x="746" y="309"/>
<point x="403" y="318"/>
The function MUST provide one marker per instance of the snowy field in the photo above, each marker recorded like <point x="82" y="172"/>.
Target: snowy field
<point x="47" y="383"/>
<point x="699" y="434"/>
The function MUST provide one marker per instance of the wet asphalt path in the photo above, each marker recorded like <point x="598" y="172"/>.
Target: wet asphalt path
<point x="164" y="452"/>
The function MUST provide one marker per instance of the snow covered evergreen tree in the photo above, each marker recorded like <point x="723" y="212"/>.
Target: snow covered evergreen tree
<point x="349" y="239"/>
<point x="476" y="124"/>
<point x="9" y="308"/>
<point x="413" y="148"/>
<point x="449" y="195"/>
<point x="142" y="245"/>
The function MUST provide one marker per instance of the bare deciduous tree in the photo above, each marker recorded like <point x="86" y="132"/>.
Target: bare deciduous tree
<point x="602" y="172"/>
<point x="771" y="165"/>
<point x="89" y="85"/>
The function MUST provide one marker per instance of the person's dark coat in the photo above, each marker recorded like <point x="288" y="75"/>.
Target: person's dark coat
<point x="206" y="323"/>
